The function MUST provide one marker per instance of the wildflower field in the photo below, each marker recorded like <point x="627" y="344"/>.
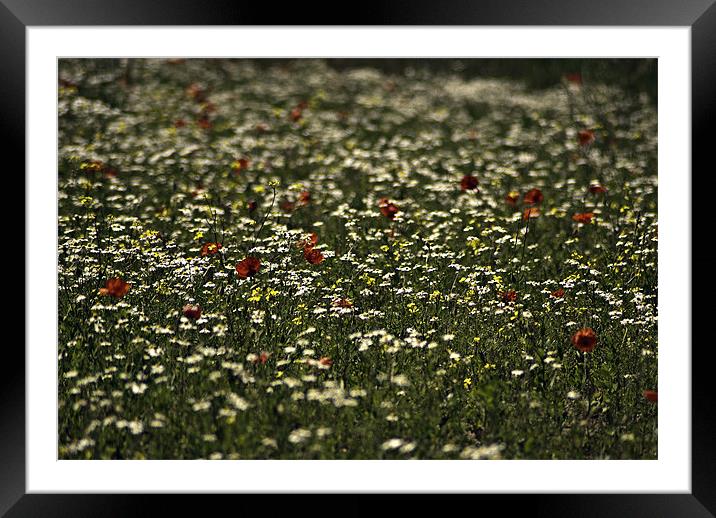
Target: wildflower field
<point x="288" y="260"/>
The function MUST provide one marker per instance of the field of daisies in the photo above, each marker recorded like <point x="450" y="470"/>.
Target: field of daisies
<point x="290" y="261"/>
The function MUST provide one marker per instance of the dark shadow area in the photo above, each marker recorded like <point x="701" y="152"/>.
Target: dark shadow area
<point x="632" y="76"/>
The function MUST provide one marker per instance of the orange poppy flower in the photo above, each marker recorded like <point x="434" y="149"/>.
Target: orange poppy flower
<point x="558" y="293"/>
<point x="342" y="303"/>
<point x="512" y="198"/>
<point x="586" y="137"/>
<point x="179" y="123"/>
<point x="304" y="198"/>
<point x="296" y="114"/>
<point x="203" y="122"/>
<point x="308" y="242"/>
<point x="469" y="183"/>
<point x="596" y="188"/>
<point x="651" y="396"/>
<point x="312" y="255"/>
<point x="191" y="311"/>
<point x="533" y="197"/>
<point x="508" y="296"/>
<point x="241" y="164"/>
<point x="210" y="249"/>
<point x="196" y="92"/>
<point x="287" y="205"/>
<point x="262" y="358"/>
<point x="530" y="212"/>
<point x="115" y="287"/>
<point x="248" y="267"/>
<point x="584" y="217"/>
<point x="585" y="339"/>
<point x="325" y="361"/>
<point x="388" y="209"/>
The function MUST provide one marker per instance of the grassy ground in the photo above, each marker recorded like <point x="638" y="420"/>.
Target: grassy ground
<point x="429" y="319"/>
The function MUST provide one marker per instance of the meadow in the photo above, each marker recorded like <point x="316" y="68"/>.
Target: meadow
<point x="294" y="261"/>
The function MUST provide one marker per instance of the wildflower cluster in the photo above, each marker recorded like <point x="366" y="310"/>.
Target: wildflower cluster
<point x="283" y="260"/>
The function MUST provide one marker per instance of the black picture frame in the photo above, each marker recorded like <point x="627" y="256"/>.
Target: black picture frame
<point x="700" y="15"/>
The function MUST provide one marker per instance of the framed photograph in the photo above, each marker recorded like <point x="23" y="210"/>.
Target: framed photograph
<point x="438" y="250"/>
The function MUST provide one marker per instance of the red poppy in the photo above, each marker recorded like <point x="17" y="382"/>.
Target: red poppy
<point x="584" y="217"/>
<point x="262" y="358"/>
<point x="574" y="78"/>
<point x="468" y="183"/>
<point x="308" y="242"/>
<point x="203" y="122"/>
<point x="508" y="296"/>
<point x="191" y="311"/>
<point x="530" y="212"/>
<point x="304" y="198"/>
<point x="115" y="287"/>
<point x="651" y="396"/>
<point x="388" y="209"/>
<point x="252" y="205"/>
<point x="287" y="205"/>
<point x="248" y="267"/>
<point x="512" y="198"/>
<point x="179" y="123"/>
<point x="241" y="164"/>
<point x="196" y="92"/>
<point x="325" y="361"/>
<point x="558" y="293"/>
<point x="210" y="249"/>
<point x="585" y="339"/>
<point x="312" y="255"/>
<point x="110" y="172"/>
<point x="343" y="303"/>
<point x="596" y="188"/>
<point x="296" y="114"/>
<point x="261" y="128"/>
<point x="533" y="197"/>
<point x="585" y="137"/>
